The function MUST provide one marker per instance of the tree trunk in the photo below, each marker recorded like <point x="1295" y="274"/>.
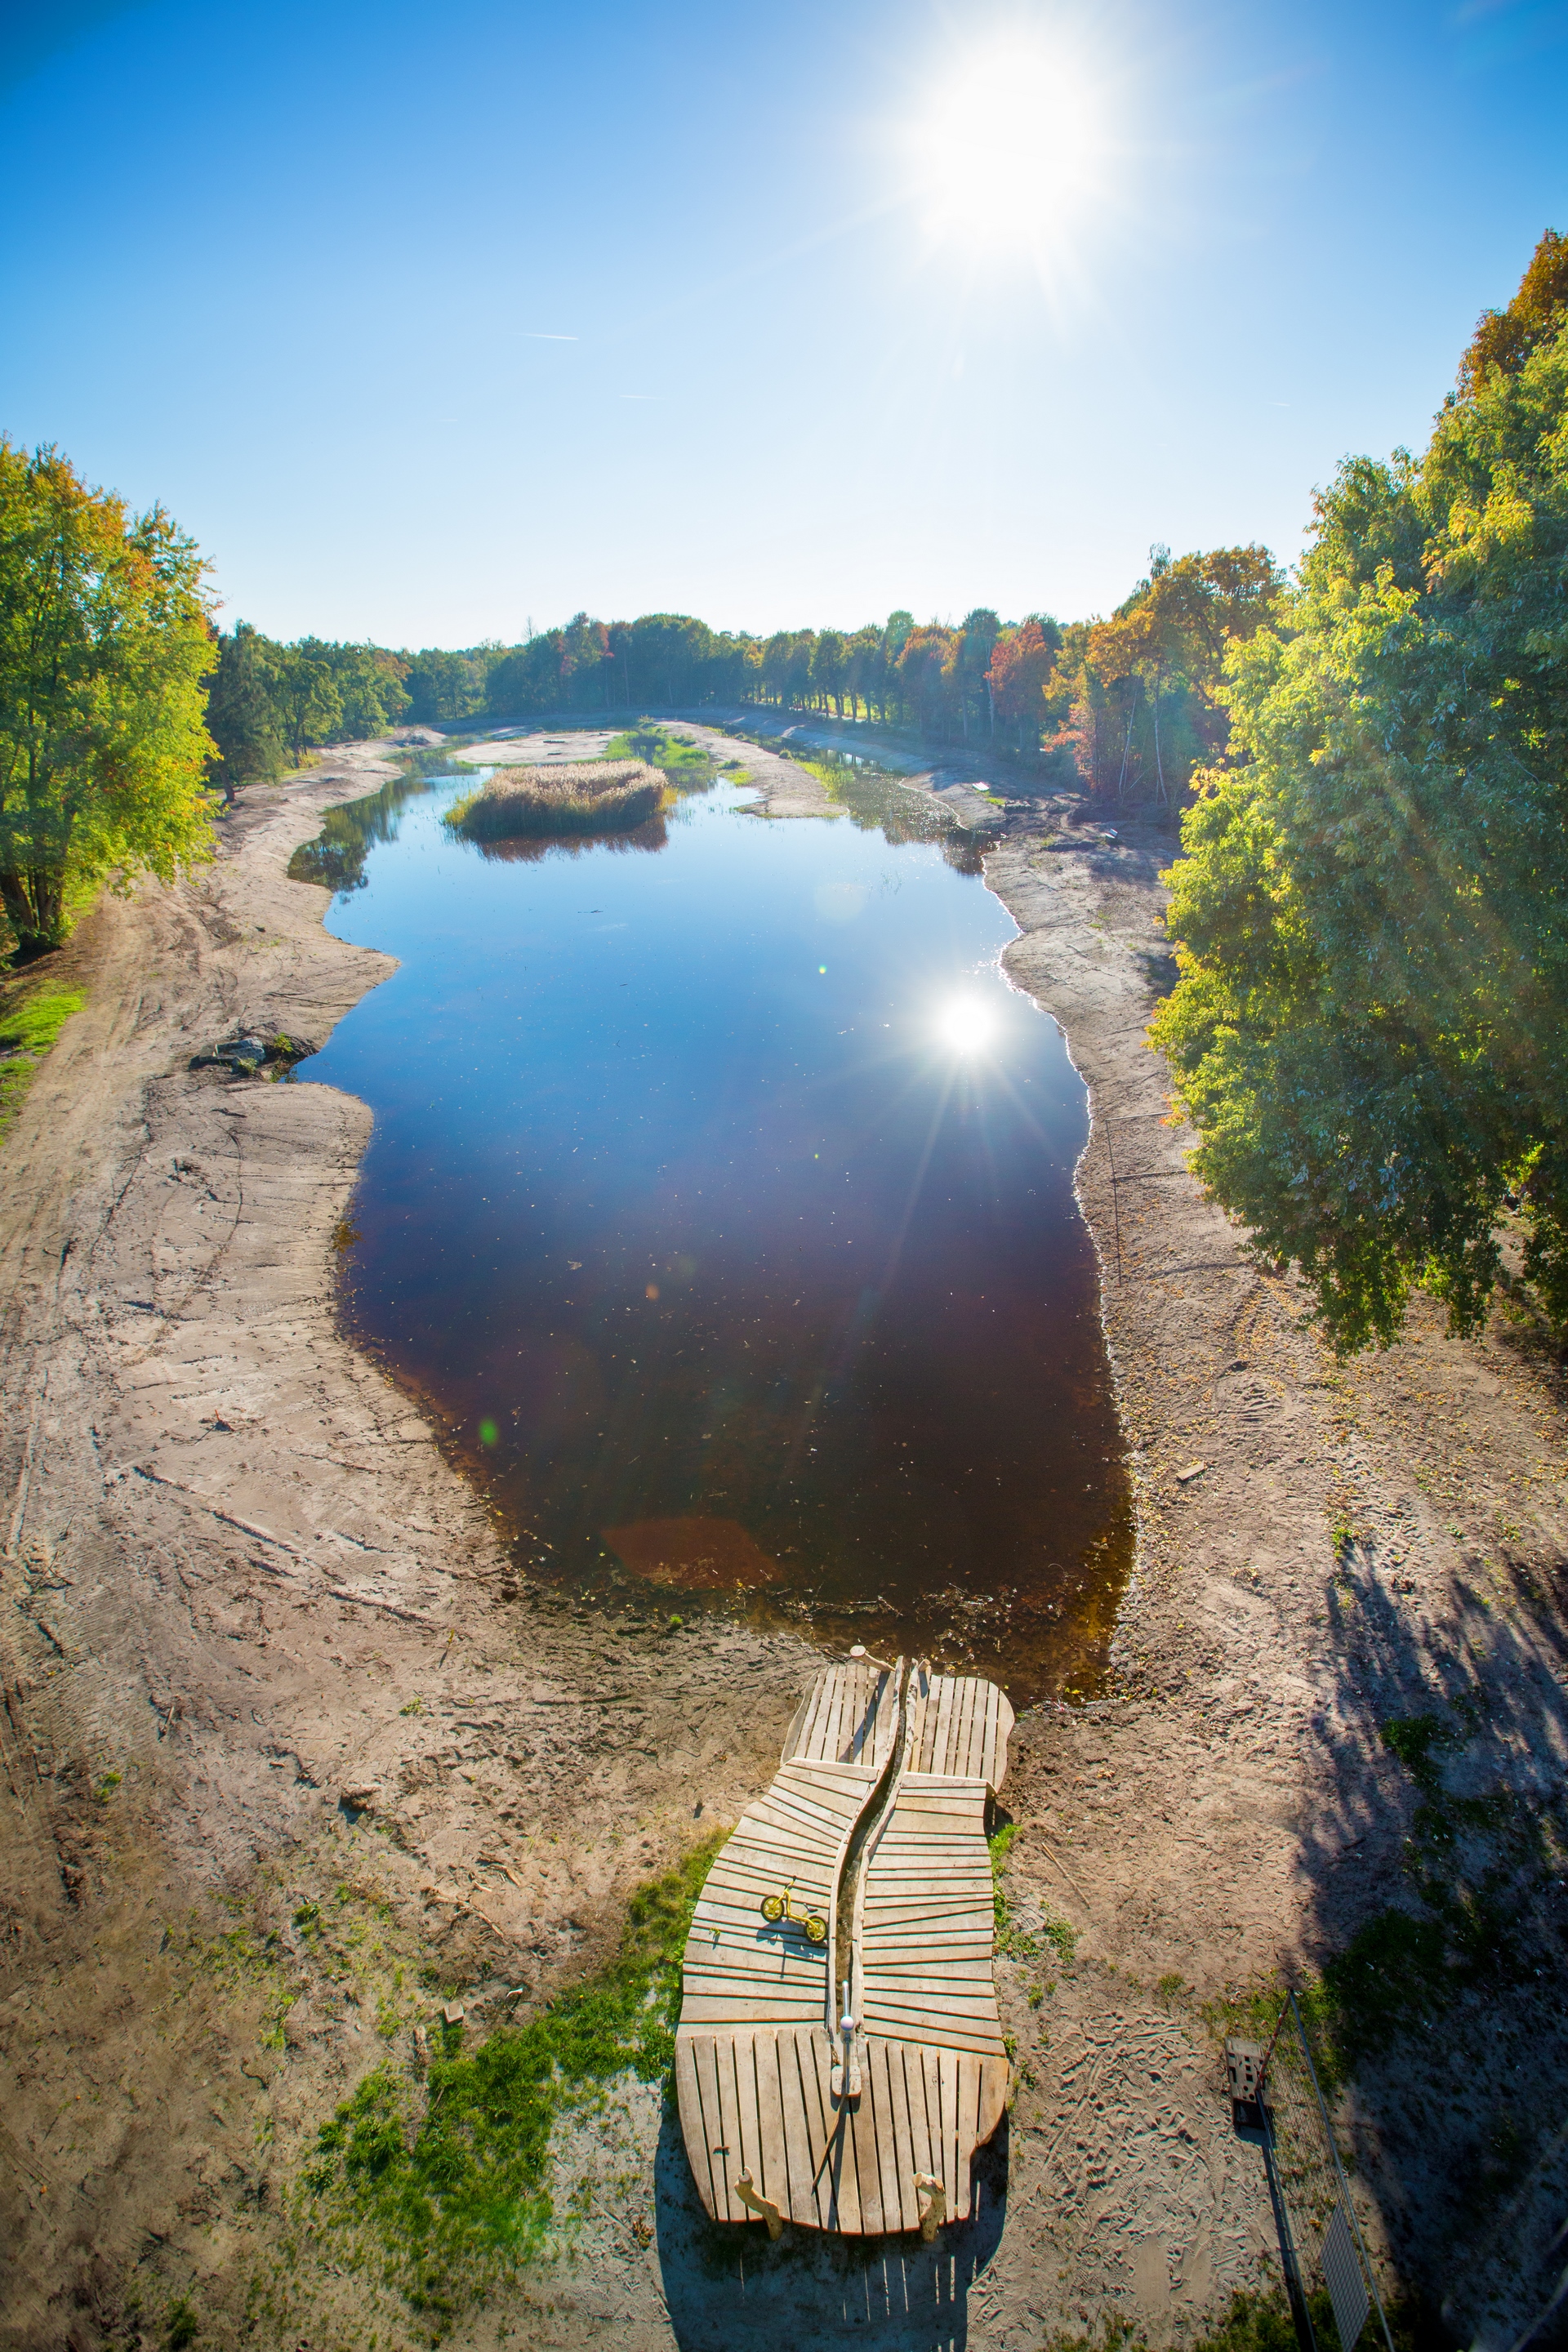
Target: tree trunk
<point x="34" y="901"/>
<point x="1159" y="762"/>
<point x="1126" y="749"/>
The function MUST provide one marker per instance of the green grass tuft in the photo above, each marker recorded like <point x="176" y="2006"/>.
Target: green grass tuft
<point x="1015" y="1942"/>
<point x="31" y="1018"/>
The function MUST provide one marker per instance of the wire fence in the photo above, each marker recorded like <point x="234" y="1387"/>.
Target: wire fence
<point x="1321" y="2242"/>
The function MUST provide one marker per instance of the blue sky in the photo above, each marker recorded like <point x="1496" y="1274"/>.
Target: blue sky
<point x="431" y="321"/>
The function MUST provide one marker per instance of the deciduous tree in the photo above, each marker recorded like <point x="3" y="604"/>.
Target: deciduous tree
<point x="1371" y="1029"/>
<point x="105" y="639"/>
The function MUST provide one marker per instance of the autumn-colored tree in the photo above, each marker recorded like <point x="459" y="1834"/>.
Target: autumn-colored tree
<point x="1020" y="676"/>
<point x="105" y="639"/>
<point x="1148" y="699"/>
<point x="1504" y="340"/>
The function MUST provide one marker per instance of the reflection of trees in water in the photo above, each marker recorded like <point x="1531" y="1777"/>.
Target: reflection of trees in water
<point x="528" y="848"/>
<point x="336" y="858"/>
<point x="879" y="802"/>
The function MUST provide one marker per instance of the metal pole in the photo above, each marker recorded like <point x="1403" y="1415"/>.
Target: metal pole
<point x="1339" y="2170"/>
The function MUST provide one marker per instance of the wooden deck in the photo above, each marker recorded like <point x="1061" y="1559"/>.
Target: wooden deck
<point x="878" y="1816"/>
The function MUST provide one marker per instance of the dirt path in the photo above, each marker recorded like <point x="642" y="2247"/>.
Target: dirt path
<point x="351" y="1748"/>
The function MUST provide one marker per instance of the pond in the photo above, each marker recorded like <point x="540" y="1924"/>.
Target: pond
<point x="719" y="1207"/>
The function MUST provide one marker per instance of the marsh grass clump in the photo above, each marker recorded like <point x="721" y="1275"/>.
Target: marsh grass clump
<point x="448" y="2191"/>
<point x="578" y="796"/>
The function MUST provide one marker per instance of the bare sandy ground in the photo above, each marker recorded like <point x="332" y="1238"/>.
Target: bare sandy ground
<point x="242" y="1577"/>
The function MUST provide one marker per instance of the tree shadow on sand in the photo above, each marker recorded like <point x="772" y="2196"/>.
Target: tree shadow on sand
<point x="726" y="2286"/>
<point x="1433" y="1842"/>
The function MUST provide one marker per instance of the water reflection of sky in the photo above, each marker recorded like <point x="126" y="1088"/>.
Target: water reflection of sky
<point x="720" y="1196"/>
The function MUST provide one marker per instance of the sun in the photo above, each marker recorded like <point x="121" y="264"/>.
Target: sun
<point x="1007" y="148"/>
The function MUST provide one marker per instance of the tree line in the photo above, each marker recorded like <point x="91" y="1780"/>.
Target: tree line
<point x="1128" y="705"/>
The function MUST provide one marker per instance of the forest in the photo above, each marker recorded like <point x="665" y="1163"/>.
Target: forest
<point x="1128" y="705"/>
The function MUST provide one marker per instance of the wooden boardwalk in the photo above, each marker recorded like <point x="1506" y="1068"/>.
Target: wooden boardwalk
<point x="878" y="1816"/>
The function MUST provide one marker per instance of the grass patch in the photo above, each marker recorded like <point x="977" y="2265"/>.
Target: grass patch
<point x="1017" y="1943"/>
<point x="688" y="765"/>
<point x="240" y="1961"/>
<point x="452" y="2199"/>
<point x="32" y="1015"/>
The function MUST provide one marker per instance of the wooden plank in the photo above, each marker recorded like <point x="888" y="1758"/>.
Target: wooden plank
<point x="1005" y="1722"/>
<point x="945" y="1696"/>
<point x="860" y="2158"/>
<point x="947" y="2068"/>
<point x="968" y="2120"/>
<point x="814" y="2056"/>
<point x="753" y="2153"/>
<point x="958" y="1729"/>
<point x="799" y="2201"/>
<point x="693" y="2130"/>
<point x="821" y="1696"/>
<point x="730" y="2152"/>
<point x="994" y="2076"/>
<point x="833" y="1721"/>
<point x="988" y="1745"/>
<point x="797" y="1723"/>
<point x="880" y="2083"/>
<point x="974" y="1746"/>
<point x="905" y="2163"/>
<point x="766" y="2049"/>
<point x="931" y="2067"/>
<point x="843" y="2182"/>
<point x="707" y="2056"/>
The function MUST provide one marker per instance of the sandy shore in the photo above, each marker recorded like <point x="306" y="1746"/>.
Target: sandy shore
<point x="243" y="1578"/>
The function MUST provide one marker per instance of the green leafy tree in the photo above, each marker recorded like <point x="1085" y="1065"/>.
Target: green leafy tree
<point x="440" y="685"/>
<point x="308" y="700"/>
<point x="829" y="661"/>
<point x="243" y="716"/>
<point x="1371" y="1029"/>
<point x="105" y="639"/>
<point x="364" y="696"/>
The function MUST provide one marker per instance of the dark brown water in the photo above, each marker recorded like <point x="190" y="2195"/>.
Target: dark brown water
<point x="720" y="1202"/>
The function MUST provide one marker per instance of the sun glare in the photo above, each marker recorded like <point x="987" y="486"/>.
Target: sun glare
<point x="966" y="1025"/>
<point x="1006" y="148"/>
